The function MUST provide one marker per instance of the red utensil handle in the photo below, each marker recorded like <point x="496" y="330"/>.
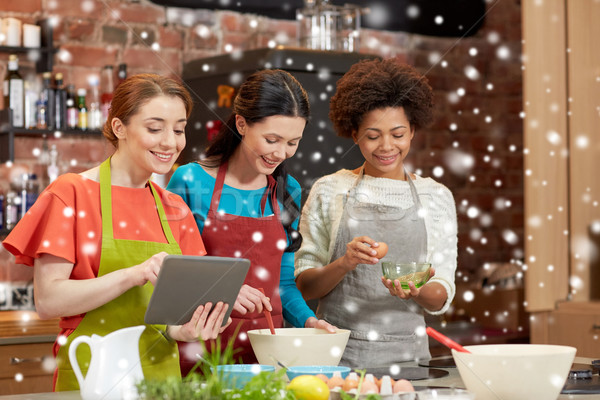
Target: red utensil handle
<point x="445" y="340"/>
<point x="268" y="316"/>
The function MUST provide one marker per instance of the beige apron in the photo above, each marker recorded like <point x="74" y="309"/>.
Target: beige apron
<point x="382" y="326"/>
<point x="158" y="355"/>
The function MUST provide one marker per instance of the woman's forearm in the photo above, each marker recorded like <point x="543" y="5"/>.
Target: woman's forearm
<point x="315" y="283"/>
<point x="58" y="296"/>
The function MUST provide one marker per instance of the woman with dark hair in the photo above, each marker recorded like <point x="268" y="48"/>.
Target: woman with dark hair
<point x="379" y="104"/>
<point x="246" y="205"/>
<point x="96" y="240"/>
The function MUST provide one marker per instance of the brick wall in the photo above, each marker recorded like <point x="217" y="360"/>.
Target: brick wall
<point x="475" y="146"/>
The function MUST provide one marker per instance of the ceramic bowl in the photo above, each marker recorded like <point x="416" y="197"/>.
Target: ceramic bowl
<point x="515" y="371"/>
<point x="238" y="375"/>
<point x="327" y="370"/>
<point x="298" y="346"/>
<point x="405" y="272"/>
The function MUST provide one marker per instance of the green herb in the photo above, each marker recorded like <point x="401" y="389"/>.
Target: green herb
<point x="209" y="385"/>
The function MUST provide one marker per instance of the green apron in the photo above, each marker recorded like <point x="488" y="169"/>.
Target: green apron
<point x="158" y="355"/>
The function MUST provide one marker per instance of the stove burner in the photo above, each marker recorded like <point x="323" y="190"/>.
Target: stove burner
<point x="580" y="374"/>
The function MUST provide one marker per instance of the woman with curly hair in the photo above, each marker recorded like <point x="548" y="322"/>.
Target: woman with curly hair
<point x="379" y="104"/>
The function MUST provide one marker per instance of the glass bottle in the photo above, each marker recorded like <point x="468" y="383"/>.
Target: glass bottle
<point x="13" y="203"/>
<point x="308" y="19"/>
<point x="53" y="170"/>
<point x="41" y="110"/>
<point x="94" y="113"/>
<point x="60" y="103"/>
<point x="72" y="110"/>
<point x="1" y="209"/>
<point x="30" y="107"/>
<point x="106" y="91"/>
<point x="14" y="92"/>
<point x="47" y="100"/>
<point x="121" y="73"/>
<point x="82" y="108"/>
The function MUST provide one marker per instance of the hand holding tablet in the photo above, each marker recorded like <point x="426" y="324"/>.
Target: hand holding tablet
<point x="186" y="282"/>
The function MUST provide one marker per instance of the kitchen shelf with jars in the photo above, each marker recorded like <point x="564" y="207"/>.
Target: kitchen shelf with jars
<point x="8" y="132"/>
<point x="25" y="118"/>
<point x="44" y="54"/>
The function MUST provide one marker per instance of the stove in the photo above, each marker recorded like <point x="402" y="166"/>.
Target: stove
<point x="583" y="379"/>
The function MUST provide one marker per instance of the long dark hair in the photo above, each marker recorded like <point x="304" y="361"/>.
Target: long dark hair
<point x="264" y="94"/>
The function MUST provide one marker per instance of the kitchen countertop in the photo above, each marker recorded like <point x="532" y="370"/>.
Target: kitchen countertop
<point x="20" y="325"/>
<point x="451" y="380"/>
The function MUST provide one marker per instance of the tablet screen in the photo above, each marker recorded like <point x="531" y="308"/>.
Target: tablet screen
<point x="186" y="282"/>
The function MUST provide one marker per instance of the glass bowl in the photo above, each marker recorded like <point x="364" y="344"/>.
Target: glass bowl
<point x="405" y="272"/>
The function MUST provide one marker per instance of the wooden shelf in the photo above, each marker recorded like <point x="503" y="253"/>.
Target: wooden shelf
<point x="9" y="132"/>
<point x="45" y="60"/>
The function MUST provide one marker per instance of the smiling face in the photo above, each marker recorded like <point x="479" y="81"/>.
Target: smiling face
<point x="384" y="137"/>
<point x="154" y="136"/>
<point x="268" y="143"/>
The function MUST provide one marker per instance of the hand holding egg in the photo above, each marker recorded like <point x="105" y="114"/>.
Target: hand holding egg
<point x="362" y="250"/>
<point x="381" y="250"/>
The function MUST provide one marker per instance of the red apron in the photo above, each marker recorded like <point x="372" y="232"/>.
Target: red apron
<point x="257" y="239"/>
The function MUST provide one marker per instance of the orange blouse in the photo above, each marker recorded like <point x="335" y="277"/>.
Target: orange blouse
<point x="66" y="222"/>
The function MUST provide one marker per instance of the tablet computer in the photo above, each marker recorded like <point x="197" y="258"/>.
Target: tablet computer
<point x="185" y="282"/>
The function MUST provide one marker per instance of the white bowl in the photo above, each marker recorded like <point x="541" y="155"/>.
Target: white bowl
<point x="515" y="371"/>
<point x="298" y="346"/>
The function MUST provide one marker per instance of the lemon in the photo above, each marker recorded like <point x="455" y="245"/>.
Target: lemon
<point x="309" y="387"/>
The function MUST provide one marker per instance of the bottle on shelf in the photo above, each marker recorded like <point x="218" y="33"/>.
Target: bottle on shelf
<point x="30" y="107"/>
<point x="82" y="108"/>
<point x="47" y="100"/>
<point x="12" y="209"/>
<point x="53" y="170"/>
<point x="94" y="113"/>
<point x="41" y="111"/>
<point x="121" y="73"/>
<point x="44" y="161"/>
<point x="60" y="103"/>
<point x="29" y="192"/>
<point x="14" y="92"/>
<point x="72" y="110"/>
<point x="106" y="92"/>
<point x="1" y="209"/>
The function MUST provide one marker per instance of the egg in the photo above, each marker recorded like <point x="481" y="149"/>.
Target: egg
<point x="349" y="384"/>
<point x="369" y="387"/>
<point x="322" y="377"/>
<point x="335" y="381"/>
<point x="381" y="250"/>
<point x="402" y="385"/>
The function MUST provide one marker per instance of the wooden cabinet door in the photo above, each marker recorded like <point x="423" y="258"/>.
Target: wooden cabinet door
<point x="577" y="325"/>
<point x="26" y="368"/>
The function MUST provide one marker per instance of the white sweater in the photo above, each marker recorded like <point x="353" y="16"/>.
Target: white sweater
<point x="323" y="210"/>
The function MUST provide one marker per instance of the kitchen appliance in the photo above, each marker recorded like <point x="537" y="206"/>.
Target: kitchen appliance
<point x="583" y="379"/>
<point x="213" y="81"/>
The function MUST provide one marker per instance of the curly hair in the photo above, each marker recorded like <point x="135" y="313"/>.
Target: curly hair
<point x="374" y="84"/>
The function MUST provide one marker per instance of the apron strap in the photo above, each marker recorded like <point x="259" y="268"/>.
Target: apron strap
<point x="218" y="189"/>
<point x="106" y="206"/>
<point x="163" y="216"/>
<point x="272" y="190"/>
<point x="106" y="200"/>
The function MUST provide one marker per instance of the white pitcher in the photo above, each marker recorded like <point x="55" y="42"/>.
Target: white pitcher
<point x="115" y="365"/>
